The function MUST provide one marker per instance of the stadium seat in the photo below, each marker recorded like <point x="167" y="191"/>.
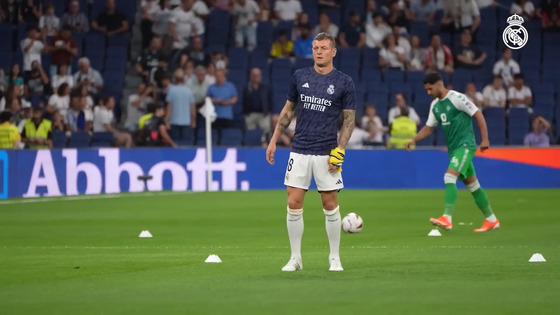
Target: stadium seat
<point x="286" y="26"/>
<point x="201" y="137"/>
<point x="265" y="37"/>
<point x="422" y="30"/>
<point x="415" y="78"/>
<point x="495" y="119"/>
<point x="217" y="29"/>
<point x="518" y="125"/>
<point x="6" y="35"/>
<point x="253" y="138"/>
<point x="391" y="75"/>
<point x="6" y="60"/>
<point x="303" y="63"/>
<point x="371" y="75"/>
<point x="59" y="140"/>
<point x="79" y="140"/>
<point x="370" y="58"/>
<point x="349" y="58"/>
<point x="94" y="42"/>
<point x="189" y="141"/>
<point x="238" y="58"/>
<point x="102" y="139"/>
<point x="231" y="137"/>
<point x="118" y="40"/>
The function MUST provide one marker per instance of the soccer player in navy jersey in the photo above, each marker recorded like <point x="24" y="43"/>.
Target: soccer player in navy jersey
<point x="317" y="96"/>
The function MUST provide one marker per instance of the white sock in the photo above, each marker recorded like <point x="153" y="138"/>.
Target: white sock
<point x="332" y="223"/>
<point x="294" y="222"/>
<point x="492" y="218"/>
<point x="448" y="217"/>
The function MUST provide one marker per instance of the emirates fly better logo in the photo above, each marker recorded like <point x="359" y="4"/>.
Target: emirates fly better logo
<point x="515" y="36"/>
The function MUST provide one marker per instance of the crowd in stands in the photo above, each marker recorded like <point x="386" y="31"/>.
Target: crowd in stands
<point x="63" y="64"/>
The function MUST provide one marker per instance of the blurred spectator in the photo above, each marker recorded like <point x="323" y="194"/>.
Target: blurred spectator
<point x="57" y="122"/>
<point x="473" y="95"/>
<point x="63" y="47"/>
<point x="264" y="11"/>
<point x="14" y="92"/>
<point x="88" y="76"/>
<point x="549" y="12"/>
<point x="188" y="69"/>
<point x="25" y="113"/>
<point x="37" y="81"/>
<point x="402" y="130"/>
<point x="256" y="103"/>
<point x="417" y="56"/>
<point x="76" y="118"/>
<point x="224" y="96"/>
<point x="494" y="95"/>
<point x="161" y="91"/>
<point x="3" y="82"/>
<point x="329" y="4"/>
<point x="400" y="104"/>
<point x="519" y="95"/>
<point x="9" y="11"/>
<point x="287" y="10"/>
<point x="219" y="60"/>
<point x="77" y="20"/>
<point x="353" y="34"/>
<point x="201" y="14"/>
<point x="401" y="39"/>
<point x="181" y="108"/>
<point x="60" y="101"/>
<point x="147" y="62"/>
<point x="137" y="106"/>
<point x="245" y="13"/>
<point x="423" y="10"/>
<point x="211" y="74"/>
<point x="111" y="21"/>
<point x="30" y="11"/>
<point x="371" y="10"/>
<point x="467" y="54"/>
<point x="377" y="31"/>
<point x="154" y="130"/>
<point x="301" y="22"/>
<point x="391" y="56"/>
<point x="182" y="26"/>
<point x="459" y="15"/>
<point x="486" y="3"/>
<point x="196" y="52"/>
<point x="9" y="134"/>
<point x="303" y="45"/>
<point x="32" y="47"/>
<point x="199" y="86"/>
<point x="282" y="47"/>
<point x="438" y="56"/>
<point x="37" y="131"/>
<point x="161" y="71"/>
<point x="524" y="8"/>
<point x="326" y="26"/>
<point x="372" y="123"/>
<point x="14" y="76"/>
<point x="398" y="15"/>
<point x="85" y="98"/>
<point x="506" y="67"/>
<point x="103" y="121"/>
<point x="161" y="25"/>
<point x="222" y="4"/>
<point x="150" y="9"/>
<point x="49" y="24"/>
<point x="539" y="136"/>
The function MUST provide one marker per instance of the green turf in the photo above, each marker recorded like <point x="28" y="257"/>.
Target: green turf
<point x="84" y="256"/>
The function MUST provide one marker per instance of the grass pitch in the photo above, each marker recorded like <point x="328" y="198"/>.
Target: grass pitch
<point x="66" y="256"/>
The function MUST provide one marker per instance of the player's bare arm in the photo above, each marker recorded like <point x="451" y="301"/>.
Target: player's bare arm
<point x="286" y="116"/>
<point x="347" y="127"/>
<point x="481" y="122"/>
<point x="425" y="132"/>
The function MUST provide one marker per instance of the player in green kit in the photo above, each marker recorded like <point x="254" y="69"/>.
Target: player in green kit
<point x="454" y="112"/>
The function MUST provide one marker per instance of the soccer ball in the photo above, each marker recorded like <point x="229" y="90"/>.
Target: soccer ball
<point x="352" y="223"/>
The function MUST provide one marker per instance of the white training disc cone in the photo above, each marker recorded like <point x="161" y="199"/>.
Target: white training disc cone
<point x="145" y="234"/>
<point x="434" y="232"/>
<point x="213" y="259"/>
<point x="537" y="257"/>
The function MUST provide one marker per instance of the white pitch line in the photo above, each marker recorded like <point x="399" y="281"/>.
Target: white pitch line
<point x="266" y="247"/>
<point x="93" y="197"/>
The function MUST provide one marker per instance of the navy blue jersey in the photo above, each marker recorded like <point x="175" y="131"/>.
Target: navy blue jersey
<point x="320" y="99"/>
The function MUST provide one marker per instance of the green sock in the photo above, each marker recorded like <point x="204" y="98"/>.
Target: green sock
<point x="482" y="202"/>
<point x="450" y="198"/>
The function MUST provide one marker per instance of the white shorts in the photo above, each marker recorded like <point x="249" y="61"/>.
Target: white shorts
<point x="302" y="167"/>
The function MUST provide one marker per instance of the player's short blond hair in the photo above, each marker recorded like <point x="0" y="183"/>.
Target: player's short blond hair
<point x="327" y="36"/>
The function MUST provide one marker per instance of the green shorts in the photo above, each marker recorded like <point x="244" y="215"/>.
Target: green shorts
<point x="460" y="160"/>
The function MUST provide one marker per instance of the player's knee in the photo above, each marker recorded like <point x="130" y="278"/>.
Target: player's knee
<point x="293" y="211"/>
<point x="330" y="205"/>
<point x="449" y="178"/>
<point x="295" y="203"/>
<point x="474" y="186"/>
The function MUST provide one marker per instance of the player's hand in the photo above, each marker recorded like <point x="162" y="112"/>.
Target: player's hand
<point x="337" y="156"/>
<point x="484" y="145"/>
<point x="409" y="145"/>
<point x="334" y="168"/>
<point x="270" y="153"/>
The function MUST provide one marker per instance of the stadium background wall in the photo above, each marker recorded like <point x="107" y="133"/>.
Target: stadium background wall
<point x="75" y="172"/>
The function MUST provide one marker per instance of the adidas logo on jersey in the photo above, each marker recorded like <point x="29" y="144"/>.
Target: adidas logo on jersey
<point x="306" y="85"/>
<point x="338" y="182"/>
